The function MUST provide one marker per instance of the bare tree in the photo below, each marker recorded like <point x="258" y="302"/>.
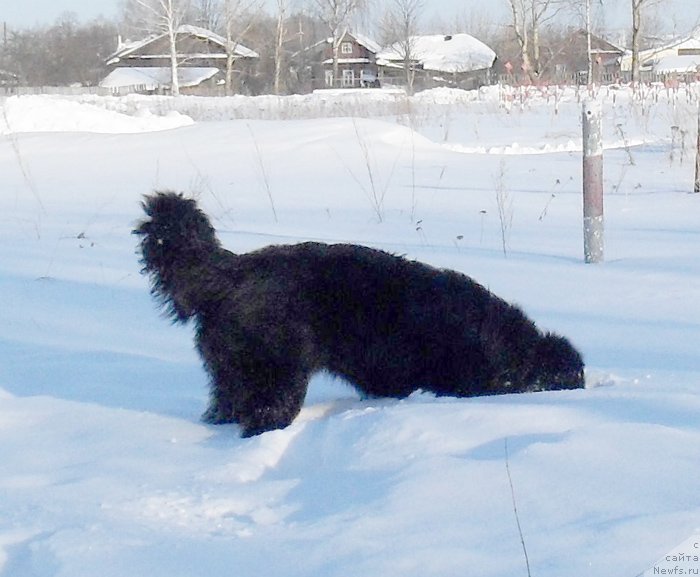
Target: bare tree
<point x="237" y="20"/>
<point x="521" y="32"/>
<point x="400" y="27"/>
<point x="591" y="14"/>
<point x="207" y="13"/>
<point x="638" y="7"/>
<point x="305" y="31"/>
<point x="163" y="17"/>
<point x="582" y="10"/>
<point x="589" y="52"/>
<point x="281" y="32"/>
<point x="478" y="21"/>
<point x="528" y="16"/>
<point x="336" y="16"/>
<point x="62" y="53"/>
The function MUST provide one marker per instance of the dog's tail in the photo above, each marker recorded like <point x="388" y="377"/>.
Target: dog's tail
<point x="177" y="246"/>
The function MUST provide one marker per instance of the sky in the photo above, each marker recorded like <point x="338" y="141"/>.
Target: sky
<point x="675" y="15"/>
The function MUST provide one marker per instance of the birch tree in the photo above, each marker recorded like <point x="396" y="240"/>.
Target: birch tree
<point x="237" y="20"/>
<point x="638" y="8"/>
<point x="521" y="32"/>
<point x="583" y="10"/>
<point x="336" y="16"/>
<point x="281" y="32"/>
<point x="163" y="17"/>
<point x="207" y="13"/>
<point x="400" y="27"/>
<point x="528" y="16"/>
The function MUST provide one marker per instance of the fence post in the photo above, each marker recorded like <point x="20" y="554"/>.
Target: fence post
<point x="593" y="222"/>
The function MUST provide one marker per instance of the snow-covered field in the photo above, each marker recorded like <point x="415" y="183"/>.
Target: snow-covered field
<point x="105" y="468"/>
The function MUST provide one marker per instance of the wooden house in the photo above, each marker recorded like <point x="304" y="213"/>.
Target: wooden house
<point x="458" y="60"/>
<point x="564" y="60"/>
<point x="678" y="57"/>
<point x="357" y="62"/>
<point x="201" y="54"/>
<point x="570" y="60"/>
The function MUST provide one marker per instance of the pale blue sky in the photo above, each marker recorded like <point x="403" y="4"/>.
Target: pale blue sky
<point x="678" y="15"/>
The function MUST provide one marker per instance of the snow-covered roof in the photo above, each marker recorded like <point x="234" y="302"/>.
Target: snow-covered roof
<point x="451" y="53"/>
<point x="126" y="48"/>
<point x="671" y="64"/>
<point x="361" y="39"/>
<point x="199" y="32"/>
<point x="690" y="43"/>
<point x="153" y="78"/>
<point x="367" y="42"/>
<point x="651" y="56"/>
<point x="202" y="33"/>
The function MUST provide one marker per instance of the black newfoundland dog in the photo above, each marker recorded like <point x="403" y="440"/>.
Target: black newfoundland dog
<point x="266" y="321"/>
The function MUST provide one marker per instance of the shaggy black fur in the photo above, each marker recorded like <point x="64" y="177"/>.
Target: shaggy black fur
<point x="267" y="320"/>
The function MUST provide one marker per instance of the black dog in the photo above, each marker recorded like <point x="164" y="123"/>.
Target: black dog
<point x="267" y="320"/>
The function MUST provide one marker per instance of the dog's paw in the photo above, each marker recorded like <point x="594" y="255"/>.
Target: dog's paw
<point x="215" y="416"/>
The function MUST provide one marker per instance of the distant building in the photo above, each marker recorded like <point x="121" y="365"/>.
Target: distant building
<point x="439" y="60"/>
<point x="678" y="57"/>
<point x="201" y="58"/>
<point x="564" y="60"/>
<point x="357" y="63"/>
<point x="570" y="62"/>
<point x="157" y="79"/>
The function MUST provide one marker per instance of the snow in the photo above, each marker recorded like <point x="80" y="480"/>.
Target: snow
<point x="106" y="467"/>
<point x="206" y="34"/>
<point x="129" y="47"/>
<point x="671" y="64"/>
<point x="154" y="77"/>
<point x="450" y="54"/>
<point x="55" y="114"/>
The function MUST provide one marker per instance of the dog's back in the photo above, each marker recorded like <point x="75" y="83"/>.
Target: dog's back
<point x="387" y="324"/>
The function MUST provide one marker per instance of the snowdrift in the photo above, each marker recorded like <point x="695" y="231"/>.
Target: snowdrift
<point x="106" y="467"/>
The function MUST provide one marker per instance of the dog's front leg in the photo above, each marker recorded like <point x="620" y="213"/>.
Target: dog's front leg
<point x="275" y="399"/>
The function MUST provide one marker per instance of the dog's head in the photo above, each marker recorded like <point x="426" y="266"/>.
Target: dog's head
<point x="555" y="364"/>
<point x="174" y="228"/>
<point x="177" y="240"/>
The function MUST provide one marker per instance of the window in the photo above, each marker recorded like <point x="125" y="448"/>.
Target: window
<point x="329" y="78"/>
<point x="348" y="78"/>
<point x="346" y="48"/>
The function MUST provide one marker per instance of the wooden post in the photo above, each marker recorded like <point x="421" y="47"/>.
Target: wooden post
<point x="593" y="222"/>
<point x="696" y="188"/>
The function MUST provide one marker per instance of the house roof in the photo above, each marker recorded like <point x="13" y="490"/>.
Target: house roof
<point x="365" y="41"/>
<point x="451" y="53"/>
<point x="599" y="45"/>
<point x="361" y="39"/>
<point x="666" y="52"/>
<point x="671" y="64"/>
<point x="153" y="78"/>
<point x="691" y="42"/>
<point x="126" y="49"/>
